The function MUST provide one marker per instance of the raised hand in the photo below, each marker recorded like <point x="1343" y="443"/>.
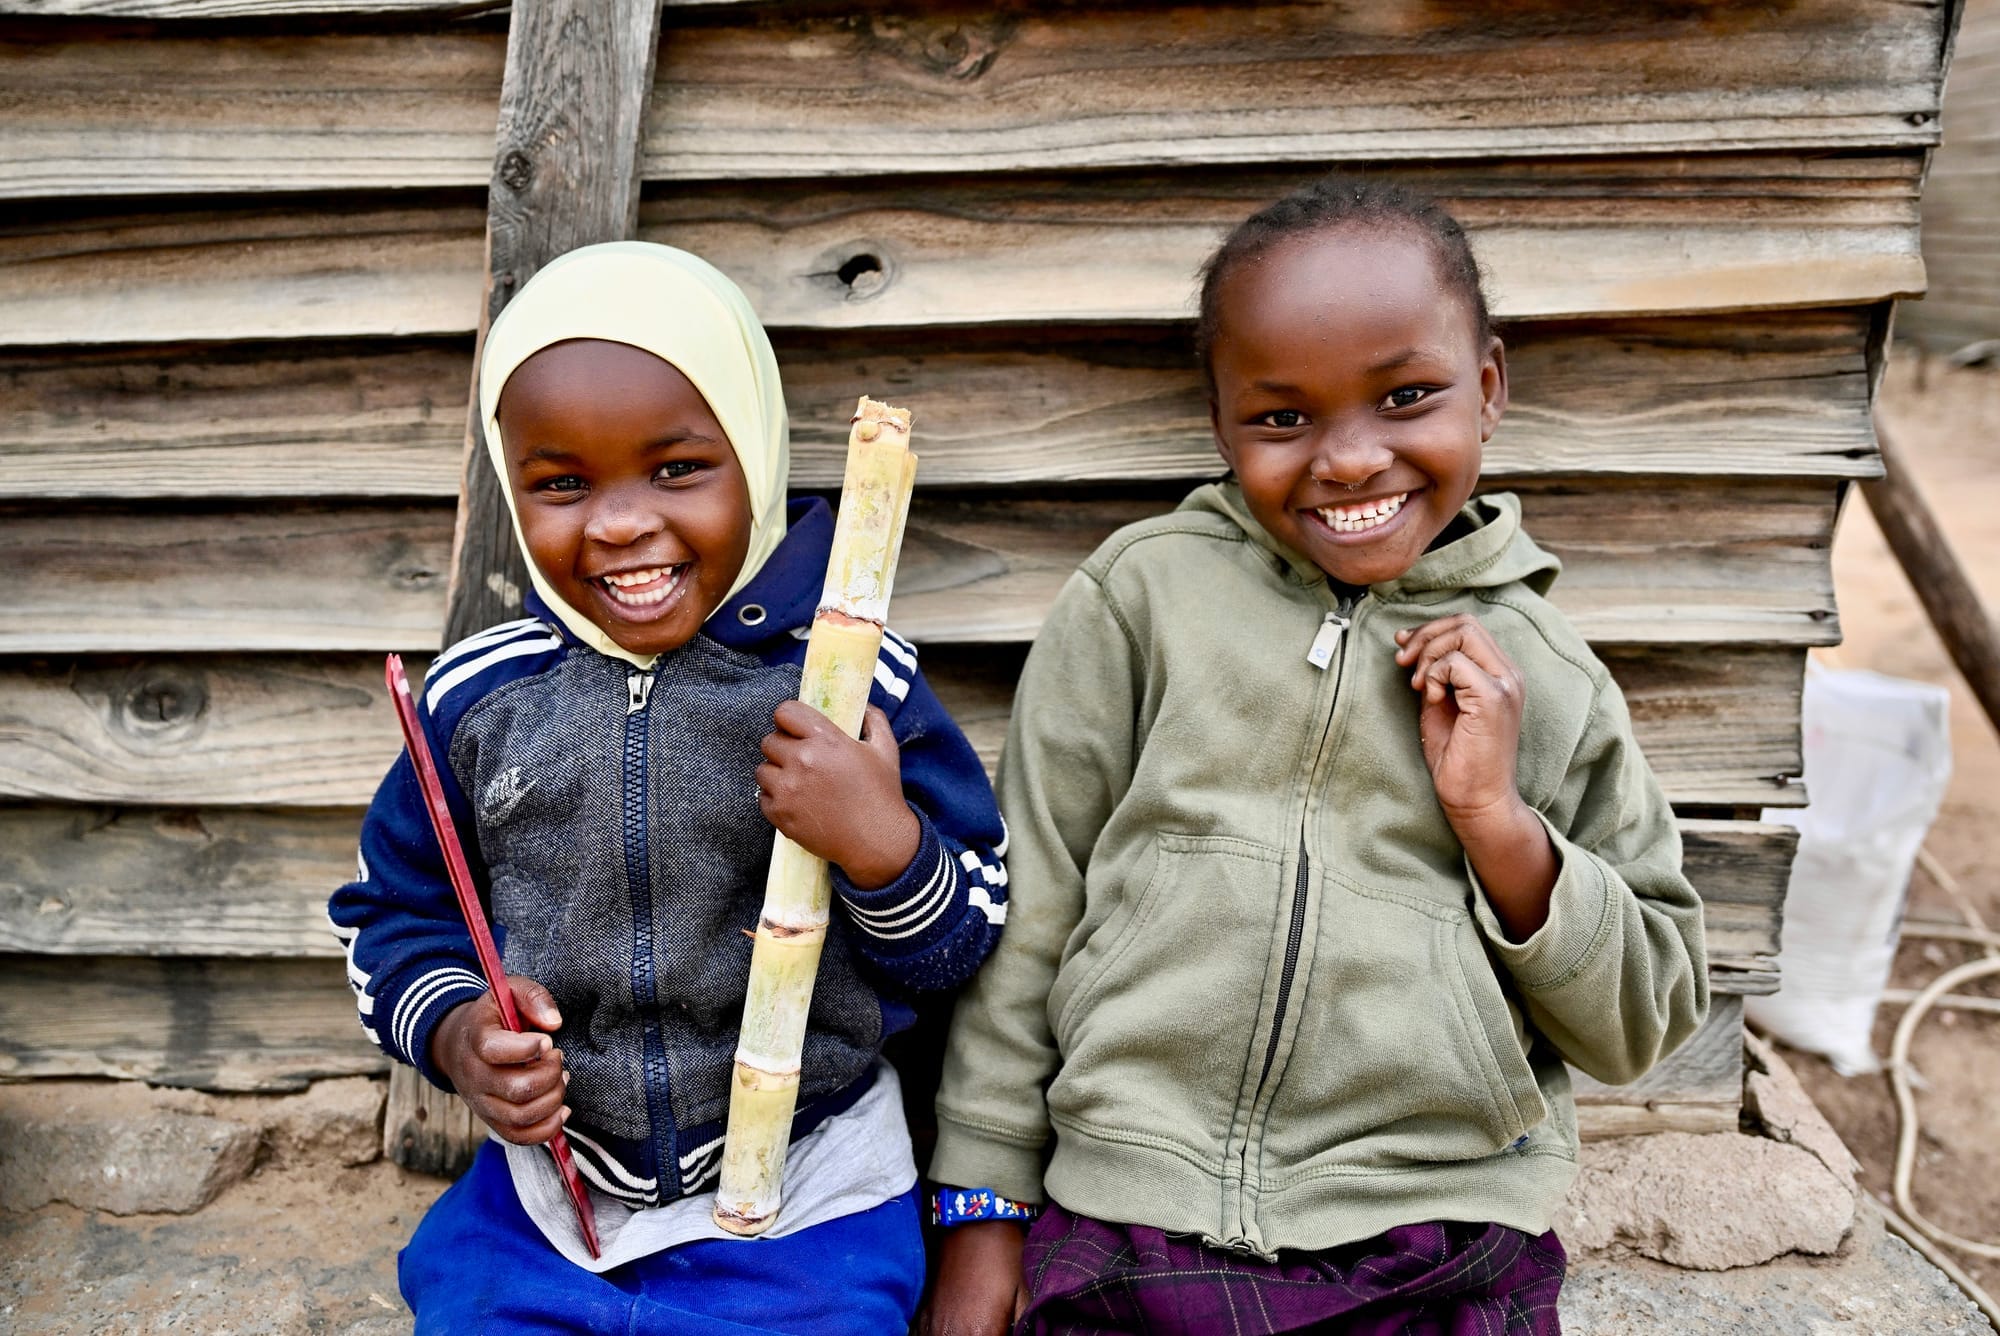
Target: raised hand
<point x="515" y="1083"/>
<point x="1470" y="728"/>
<point x="836" y="797"/>
<point x="1470" y="723"/>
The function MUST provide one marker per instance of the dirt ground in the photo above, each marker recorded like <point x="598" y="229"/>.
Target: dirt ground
<point x="1947" y="423"/>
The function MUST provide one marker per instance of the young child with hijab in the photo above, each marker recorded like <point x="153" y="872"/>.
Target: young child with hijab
<point x="616" y="762"/>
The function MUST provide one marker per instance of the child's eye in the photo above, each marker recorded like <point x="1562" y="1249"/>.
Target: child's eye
<point x="1283" y="418"/>
<point x="1409" y="396"/>
<point x="566" y="482"/>
<point x="679" y="468"/>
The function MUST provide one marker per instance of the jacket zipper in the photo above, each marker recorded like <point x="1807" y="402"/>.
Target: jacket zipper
<point x="639" y="888"/>
<point x="1323" y="654"/>
<point x="1325" y="646"/>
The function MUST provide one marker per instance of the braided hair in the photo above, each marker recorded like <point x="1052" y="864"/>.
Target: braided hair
<point x="1338" y="201"/>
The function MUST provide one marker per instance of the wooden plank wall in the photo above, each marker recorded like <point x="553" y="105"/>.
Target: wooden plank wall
<point x="241" y="263"/>
<point x="1961" y="208"/>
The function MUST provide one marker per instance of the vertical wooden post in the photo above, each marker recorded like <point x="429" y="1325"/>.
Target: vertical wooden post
<point x="565" y="174"/>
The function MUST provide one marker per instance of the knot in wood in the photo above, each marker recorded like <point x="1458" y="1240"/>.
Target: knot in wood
<point x="945" y="48"/>
<point x="158" y="699"/>
<point x="516" y="170"/>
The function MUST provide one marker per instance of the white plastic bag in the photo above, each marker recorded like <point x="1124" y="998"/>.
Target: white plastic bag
<point x="1877" y="757"/>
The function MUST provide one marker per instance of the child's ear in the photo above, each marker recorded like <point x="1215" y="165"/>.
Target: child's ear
<point x="1492" y="388"/>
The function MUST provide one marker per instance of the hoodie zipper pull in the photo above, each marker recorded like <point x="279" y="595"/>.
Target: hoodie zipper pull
<point x="1326" y="643"/>
<point x="638" y="686"/>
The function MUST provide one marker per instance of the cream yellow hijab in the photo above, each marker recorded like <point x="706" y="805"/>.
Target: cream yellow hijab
<point x="682" y="310"/>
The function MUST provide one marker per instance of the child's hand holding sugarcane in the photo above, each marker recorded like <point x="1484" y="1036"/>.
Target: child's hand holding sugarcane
<point x="839" y="798"/>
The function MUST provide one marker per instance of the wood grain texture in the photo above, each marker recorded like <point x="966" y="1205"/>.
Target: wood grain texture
<point x="1636" y="236"/>
<point x="1646" y="562"/>
<point x="252" y="1025"/>
<point x="1782" y="392"/>
<point x="246" y="882"/>
<point x="426" y="1130"/>
<point x="1962" y="197"/>
<point x="311" y="420"/>
<point x="1705" y="1071"/>
<point x="269" y="1025"/>
<point x="1719" y="725"/>
<point x="174" y="881"/>
<point x="565" y="173"/>
<point x="186" y="10"/>
<point x="959" y="88"/>
<point x="204" y="731"/>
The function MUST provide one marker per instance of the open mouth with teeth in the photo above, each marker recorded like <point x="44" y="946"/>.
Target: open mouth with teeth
<point x="1362" y="516"/>
<point x="642" y="588"/>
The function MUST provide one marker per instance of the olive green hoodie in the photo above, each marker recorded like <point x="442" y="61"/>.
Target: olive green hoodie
<point x="1249" y="987"/>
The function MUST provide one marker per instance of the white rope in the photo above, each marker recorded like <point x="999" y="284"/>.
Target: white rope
<point x="1939" y="992"/>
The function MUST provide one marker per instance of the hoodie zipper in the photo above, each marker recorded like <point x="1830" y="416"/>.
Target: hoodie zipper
<point x="639" y="888"/>
<point x="1322" y="655"/>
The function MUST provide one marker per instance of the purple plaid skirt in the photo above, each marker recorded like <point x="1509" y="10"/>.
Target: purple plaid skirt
<point x="1439" y="1279"/>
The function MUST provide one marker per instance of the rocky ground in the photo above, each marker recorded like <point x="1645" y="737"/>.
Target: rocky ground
<point x="176" y="1212"/>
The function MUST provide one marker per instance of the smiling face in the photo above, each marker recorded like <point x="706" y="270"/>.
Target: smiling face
<point x="632" y="503"/>
<point x="1353" y="396"/>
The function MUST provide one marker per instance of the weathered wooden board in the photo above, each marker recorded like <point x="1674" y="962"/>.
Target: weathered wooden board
<point x="254" y="882"/>
<point x="226" y="1024"/>
<point x="381" y="419"/>
<point x="215" y="1024"/>
<point x="173" y="881"/>
<point x="203" y="731"/>
<point x="1962" y="197"/>
<point x="256" y="9"/>
<point x="1746" y="395"/>
<point x="1636" y="237"/>
<point x="968" y="89"/>
<point x="1720" y="725"/>
<point x="1647" y="562"/>
<point x="1698" y="1088"/>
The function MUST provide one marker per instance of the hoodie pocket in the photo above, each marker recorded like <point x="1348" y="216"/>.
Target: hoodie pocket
<point x="1155" y="1027"/>
<point x="1497" y="1022"/>
<point x="1407" y="1051"/>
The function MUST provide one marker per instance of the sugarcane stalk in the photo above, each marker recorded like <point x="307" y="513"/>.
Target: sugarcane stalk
<point x="798" y="892"/>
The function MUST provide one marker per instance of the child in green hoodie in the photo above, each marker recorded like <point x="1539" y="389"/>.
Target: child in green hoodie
<point x="1330" y="846"/>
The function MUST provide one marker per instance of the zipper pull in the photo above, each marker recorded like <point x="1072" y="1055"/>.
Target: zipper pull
<point x="1326" y="643"/>
<point x="638" y="688"/>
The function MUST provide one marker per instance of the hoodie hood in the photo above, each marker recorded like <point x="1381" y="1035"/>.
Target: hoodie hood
<point x="1496" y="552"/>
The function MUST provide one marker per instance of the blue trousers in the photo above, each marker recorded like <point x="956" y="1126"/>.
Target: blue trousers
<point x="478" y="1264"/>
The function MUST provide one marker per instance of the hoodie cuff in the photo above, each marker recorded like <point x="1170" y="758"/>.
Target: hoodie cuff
<point x="981" y="1157"/>
<point x="914" y="911"/>
<point x="1580" y="907"/>
<point x="419" y="1007"/>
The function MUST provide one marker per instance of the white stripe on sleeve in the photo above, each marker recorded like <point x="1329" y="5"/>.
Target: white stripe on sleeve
<point x="889" y="682"/>
<point x="511" y="650"/>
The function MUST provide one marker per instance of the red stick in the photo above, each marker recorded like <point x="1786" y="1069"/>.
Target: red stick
<point x="475" y="916"/>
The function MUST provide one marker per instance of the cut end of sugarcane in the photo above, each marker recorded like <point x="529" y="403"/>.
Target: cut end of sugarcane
<point x="749" y="1226"/>
<point x="871" y="419"/>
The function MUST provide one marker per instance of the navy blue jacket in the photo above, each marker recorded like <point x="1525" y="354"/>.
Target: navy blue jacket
<point x="610" y="816"/>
